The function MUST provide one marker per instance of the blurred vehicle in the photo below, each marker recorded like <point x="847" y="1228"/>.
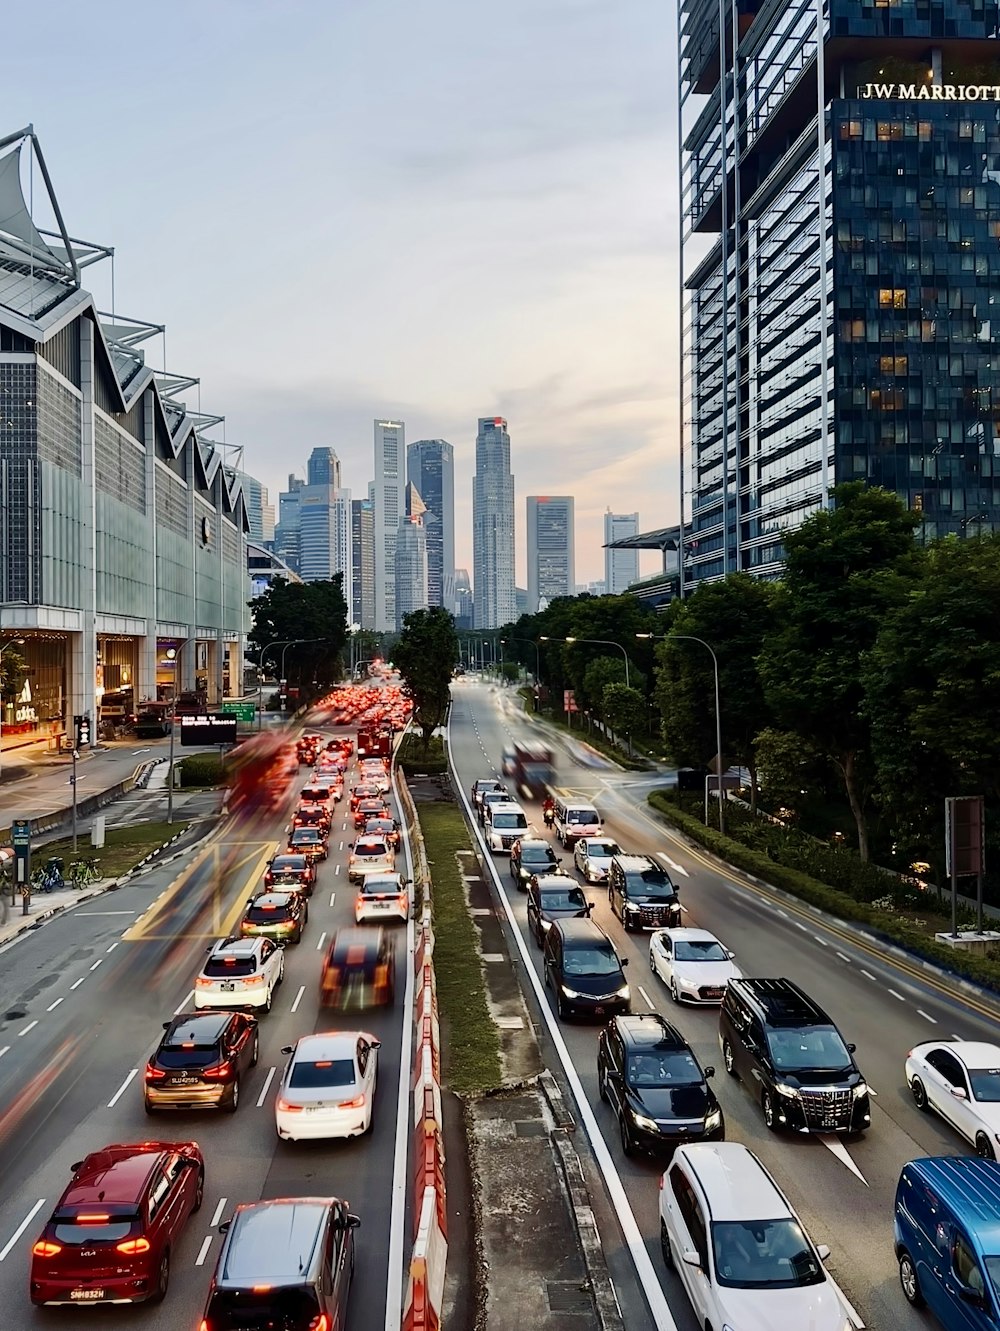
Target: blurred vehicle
<point x="574" y="818"/>
<point x="295" y="870"/>
<point x="385" y="827"/>
<point x="153" y="719"/>
<point x="553" y="897"/>
<point x="375" y="807"/>
<point x="530" y="856"/>
<point x="359" y="970"/>
<point x="258" y="774"/>
<point x="310" y="841"/>
<point x="692" y="963"/>
<point x="593" y="855"/>
<point x="200" y="1061"/>
<point x="370" y="854"/>
<point x="110" y="1236"/>
<point x="960" y="1080"/>
<point x="323" y="790"/>
<point x="280" y="916"/>
<point x="381" y="896"/>
<point x="532" y="767"/>
<point x="328" y="1086"/>
<point x="363" y="791"/>
<point x="374" y="741"/>
<point x="375" y="774"/>
<point x="240" y="972"/>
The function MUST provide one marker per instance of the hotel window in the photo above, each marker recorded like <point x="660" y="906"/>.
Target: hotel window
<point x="887" y="130"/>
<point x="892" y="298"/>
<point x="851" y="129"/>
<point x="893" y="364"/>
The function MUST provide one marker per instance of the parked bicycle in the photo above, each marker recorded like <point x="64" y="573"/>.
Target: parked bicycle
<point x="50" y="877"/>
<point x="82" y="872"/>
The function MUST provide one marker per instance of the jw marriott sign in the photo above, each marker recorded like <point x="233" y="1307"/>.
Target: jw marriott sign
<point x="947" y="92"/>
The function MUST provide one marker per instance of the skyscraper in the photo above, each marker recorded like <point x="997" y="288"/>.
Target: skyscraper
<point x="621" y="567"/>
<point x="363" y="562"/>
<point x="323" y="468"/>
<point x="551" y="549"/>
<point x="325" y="534"/>
<point x="260" y="511"/>
<point x="463" y="610"/>
<point x="390" y="481"/>
<point x="411" y="557"/>
<point x="493" y="526"/>
<point x="286" y="533"/>
<point x="430" y="465"/>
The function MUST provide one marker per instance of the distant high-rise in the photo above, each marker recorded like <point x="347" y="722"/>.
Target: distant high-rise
<point x="411" y="557"/>
<point x="551" y="549"/>
<point x="325" y="534"/>
<point x="323" y="468"/>
<point x="493" y="526"/>
<point x="363" y="563"/>
<point x="286" y="533"/>
<point x="260" y="511"/>
<point x="621" y="567"/>
<point x="463" y="608"/>
<point x="430" y="465"/>
<point x="390" y="481"/>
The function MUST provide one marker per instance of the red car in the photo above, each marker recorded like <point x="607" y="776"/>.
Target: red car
<point x="111" y="1234"/>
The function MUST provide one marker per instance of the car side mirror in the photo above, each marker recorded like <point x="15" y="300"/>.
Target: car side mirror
<point x="824" y="1251"/>
<point x="851" y="1048"/>
<point x="288" y="1049"/>
<point x="730" y="955"/>
<point x="76" y="1165"/>
<point x="958" y="1092"/>
<point x="351" y="846"/>
<point x="353" y="1222"/>
<point x="224" y="1227"/>
<point x="375" y="1044"/>
<point x="709" y="1072"/>
<point x="691" y="1258"/>
<point x="166" y="1025"/>
<point x="623" y="962"/>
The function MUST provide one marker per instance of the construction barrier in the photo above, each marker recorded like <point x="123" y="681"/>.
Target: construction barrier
<point x="425" y="1286"/>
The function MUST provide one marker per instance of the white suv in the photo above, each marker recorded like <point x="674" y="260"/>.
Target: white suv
<point x="504" y="824"/>
<point x="240" y="973"/>
<point x="739" y="1249"/>
<point x="370" y="854"/>
<point x="381" y="896"/>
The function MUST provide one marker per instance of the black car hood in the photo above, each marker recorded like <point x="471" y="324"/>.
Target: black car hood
<point x="595" y="985"/>
<point x="686" y="1101"/>
<point x="653" y="899"/>
<point x="809" y="1077"/>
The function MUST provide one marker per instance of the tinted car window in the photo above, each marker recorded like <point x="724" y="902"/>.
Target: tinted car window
<point x="326" y="1072"/>
<point x="562" y="899"/>
<point x="261" y="914"/>
<point x="581" y="816"/>
<point x="673" y="1068"/>
<point x="368" y="849"/>
<point x="75" y="1235"/>
<point x="699" y="949"/>
<point x="510" y="820"/>
<point x="201" y="1056"/>
<point x="808" y="1047"/>
<point x="261" y="1309"/>
<point x="650" y="883"/>
<point x="764" y="1253"/>
<point x="592" y="960"/>
<point x="985" y="1084"/>
<point x="221" y="968"/>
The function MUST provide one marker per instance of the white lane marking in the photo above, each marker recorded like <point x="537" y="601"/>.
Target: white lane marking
<point x="342" y="844"/>
<point x="21" y="1228"/>
<point x="184" y="1002"/>
<point x="820" y="941"/>
<point x="645" y="997"/>
<point x="333" y="895"/>
<point x="76" y="983"/>
<point x="843" y="958"/>
<point x="899" y="996"/>
<point x="30" y="1027"/>
<point x="672" y="864"/>
<point x="872" y="1090"/>
<point x="98" y="962"/>
<point x="953" y="1036"/>
<point x="5" y="1050"/>
<point x="218" y="1212"/>
<point x="203" y="1251"/>
<point x="926" y="1016"/>
<point x="321" y="941"/>
<point x="52" y="1006"/>
<point x="298" y="998"/>
<point x="869" y="975"/>
<point x="105" y="912"/>
<point x="123" y="1088"/>
<point x="782" y="912"/>
<point x="799" y="925"/>
<point x="836" y="1147"/>
<point x="262" y="1097"/>
<point x="336" y="871"/>
<point x="114" y="945"/>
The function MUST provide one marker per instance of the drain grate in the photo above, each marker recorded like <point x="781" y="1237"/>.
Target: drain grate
<point x="530" y="1127"/>
<point x="568" y="1296"/>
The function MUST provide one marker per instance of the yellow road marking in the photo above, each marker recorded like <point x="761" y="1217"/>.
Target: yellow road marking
<point x="226" y="866"/>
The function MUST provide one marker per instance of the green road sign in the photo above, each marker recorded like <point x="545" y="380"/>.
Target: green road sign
<point x="243" y="711"/>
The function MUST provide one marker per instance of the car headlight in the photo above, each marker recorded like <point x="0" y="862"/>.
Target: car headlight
<point x="623" y="992"/>
<point x="782" y="1089"/>
<point x="860" y="1090"/>
<point x="570" y="993"/>
<point x="630" y="909"/>
<point x="641" y="1121"/>
<point x="713" y="1119"/>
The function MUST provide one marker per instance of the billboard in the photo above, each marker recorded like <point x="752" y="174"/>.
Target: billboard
<point x="210" y="729"/>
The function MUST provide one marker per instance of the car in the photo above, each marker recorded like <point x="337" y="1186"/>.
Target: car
<point x="200" y="1061"/>
<point x="296" y="870"/>
<point x="500" y="795"/>
<point x="370" y="808"/>
<point x="364" y="791"/>
<point x="737" y="1246"/>
<point x="574" y="820"/>
<point x="692" y="963"/>
<point x="369" y="854"/>
<point x="583" y="970"/>
<point x="313" y="815"/>
<point x="328" y="1086"/>
<point x="384" y="827"/>
<point x="320" y="790"/>
<point x="553" y="896"/>
<point x="374" y="774"/>
<point x="503" y="825"/>
<point x="240" y="972"/>
<point x="592" y="856"/>
<point x="641" y="894"/>
<point x="960" y="1080"/>
<point x="285" y="1262"/>
<point x="278" y="915"/>
<point x="382" y="896"/>
<point x="530" y="856"/>
<point x="791" y="1058"/>
<point x="655" y="1086"/>
<point x="480" y="787"/>
<point x="359" y="970"/>
<point x="111" y="1233"/>
<point x="311" y="841"/>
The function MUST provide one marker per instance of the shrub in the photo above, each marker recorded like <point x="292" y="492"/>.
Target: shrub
<point x="201" y="769"/>
<point x="413" y="758"/>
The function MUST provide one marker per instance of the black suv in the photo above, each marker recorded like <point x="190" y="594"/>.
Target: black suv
<point x="641" y="894"/>
<point x="583" y="970"/>
<point x="530" y="856"/>
<point x="551" y="897"/>
<point x="790" y="1056"/>
<point x="648" y="1075"/>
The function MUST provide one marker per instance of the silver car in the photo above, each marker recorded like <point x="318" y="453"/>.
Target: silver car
<point x="593" y="855"/>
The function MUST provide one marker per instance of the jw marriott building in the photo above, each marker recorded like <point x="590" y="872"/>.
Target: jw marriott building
<point x="841" y="270"/>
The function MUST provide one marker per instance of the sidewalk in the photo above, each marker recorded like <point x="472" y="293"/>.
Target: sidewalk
<point x="43" y="905"/>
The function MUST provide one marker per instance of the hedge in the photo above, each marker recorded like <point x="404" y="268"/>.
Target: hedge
<point x="201" y="769"/>
<point x="414" y="759"/>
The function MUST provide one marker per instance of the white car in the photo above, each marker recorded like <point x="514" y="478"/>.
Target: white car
<point x="504" y="824"/>
<point x="328" y="1086"/>
<point x="370" y="854"/>
<point x="960" y="1080"/>
<point x="692" y="963"/>
<point x="382" y="896"/>
<point x="240" y="973"/>
<point x="374" y="774"/>
<point x="593" y="856"/>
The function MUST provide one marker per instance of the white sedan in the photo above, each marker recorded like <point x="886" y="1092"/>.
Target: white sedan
<point x="692" y="963"/>
<point x="960" y="1080"/>
<point x="593" y="856"/>
<point x="240" y="973"/>
<point x="328" y="1087"/>
<point x="382" y="896"/>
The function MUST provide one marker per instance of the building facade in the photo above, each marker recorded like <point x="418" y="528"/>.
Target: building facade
<point x="323" y="468"/>
<point x="430" y="465"/>
<point x="464" y="610"/>
<point x="260" y="510"/>
<point x="411" y="558"/>
<point x="621" y="567"/>
<point x="840" y="283"/>
<point x="389" y="484"/>
<point x="363" y="563"/>
<point x="325" y="547"/>
<point x="551" y="549"/>
<point x="286" y="531"/>
<point x="493" y="526"/>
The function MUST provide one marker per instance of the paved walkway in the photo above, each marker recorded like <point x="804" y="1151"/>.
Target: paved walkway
<point x="41" y="906"/>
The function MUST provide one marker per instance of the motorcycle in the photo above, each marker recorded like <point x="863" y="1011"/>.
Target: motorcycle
<point x="549" y="818"/>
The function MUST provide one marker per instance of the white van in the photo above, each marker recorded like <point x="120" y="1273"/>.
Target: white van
<point x="504" y="824"/>
<point x="575" y="819"/>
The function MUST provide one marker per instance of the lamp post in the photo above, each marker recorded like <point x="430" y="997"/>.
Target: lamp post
<point x="173" y="728"/>
<point x="292" y="642"/>
<point x="528" y="642"/>
<point x="604" y="642"/>
<point x="278" y="642"/>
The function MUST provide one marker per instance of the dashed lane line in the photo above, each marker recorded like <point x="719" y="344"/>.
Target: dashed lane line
<point x="52" y="1006"/>
<point x="645" y="997"/>
<point x="847" y="959"/>
<point x="926" y="1016"/>
<point x="76" y="983"/>
<point x="188" y="998"/>
<point x="320" y="941"/>
<point x="203" y="1251"/>
<point x="30" y="1027"/>
<point x="298" y="998"/>
<point x="264" y="1090"/>
<point x="5" y="1250"/>
<point x="869" y="975"/>
<point x="899" y="996"/>
<point x="219" y="1211"/>
<point x="123" y="1088"/>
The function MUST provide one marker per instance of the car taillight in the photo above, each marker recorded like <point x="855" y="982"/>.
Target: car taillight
<point x="218" y="1070"/>
<point x="253" y="979"/>
<point x="203" y="1325"/>
<point x="154" y="1074"/>
<point x="403" y="899"/>
<point x="202" y="982"/>
<point x="356" y="1103"/>
<point x="43" y="1248"/>
<point x="131" y="1247"/>
<point x="287" y="1107"/>
<point x="320" y="1323"/>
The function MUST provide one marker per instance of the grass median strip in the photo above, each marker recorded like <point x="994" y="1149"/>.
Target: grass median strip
<point x="471" y="1049"/>
<point x="123" y="847"/>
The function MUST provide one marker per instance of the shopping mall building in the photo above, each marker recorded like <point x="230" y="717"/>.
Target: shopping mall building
<point x="122" y="527"/>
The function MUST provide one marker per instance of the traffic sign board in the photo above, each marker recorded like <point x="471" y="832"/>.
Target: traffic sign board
<point x="20" y="832"/>
<point x="243" y="711"/>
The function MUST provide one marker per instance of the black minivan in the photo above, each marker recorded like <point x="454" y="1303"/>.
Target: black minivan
<point x="584" y="971"/>
<point x="286" y="1262"/>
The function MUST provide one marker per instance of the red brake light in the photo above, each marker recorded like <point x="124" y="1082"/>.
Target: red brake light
<point x="101" y="1219"/>
<point x="203" y="1326"/>
<point x="320" y="1323"/>
<point x="218" y="1070"/>
<point x="45" y="1249"/>
<point x="154" y="1074"/>
<point x="356" y="1103"/>
<point x="132" y="1246"/>
<point x="324" y="1064"/>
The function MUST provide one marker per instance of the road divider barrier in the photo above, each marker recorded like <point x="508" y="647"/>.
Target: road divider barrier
<point x="425" y="1289"/>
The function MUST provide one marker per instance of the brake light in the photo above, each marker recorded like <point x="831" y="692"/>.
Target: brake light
<point x="43" y="1248"/>
<point x="253" y="979"/>
<point x="101" y="1219"/>
<point x="356" y="1103"/>
<point x="218" y="1070"/>
<point x="320" y="1323"/>
<point x="154" y="1074"/>
<point x="403" y="899"/>
<point x="202" y="982"/>
<point x="132" y="1247"/>
<point x="203" y="1326"/>
<point x="287" y="1107"/>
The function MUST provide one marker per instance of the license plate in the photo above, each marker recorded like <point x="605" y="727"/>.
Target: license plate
<point x="381" y="905"/>
<point x="184" y="1081"/>
<point x="228" y="986"/>
<point x="83" y="1295"/>
<point x="714" y="993"/>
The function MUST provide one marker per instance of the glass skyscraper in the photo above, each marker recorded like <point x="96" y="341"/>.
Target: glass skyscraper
<point x="493" y="526"/>
<point x="880" y="362"/>
<point x="430" y="465"/>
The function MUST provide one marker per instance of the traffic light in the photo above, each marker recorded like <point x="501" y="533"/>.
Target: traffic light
<point x="82" y="724"/>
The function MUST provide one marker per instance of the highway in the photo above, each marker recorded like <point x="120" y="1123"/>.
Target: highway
<point x="843" y="1190"/>
<point x="82" y="1002"/>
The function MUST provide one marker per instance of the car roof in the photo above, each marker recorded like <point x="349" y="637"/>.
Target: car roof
<point x="370" y="839"/>
<point x="552" y="882"/>
<point x="535" y="841"/>
<point x="196" y="1028"/>
<point x="273" y="1242"/>
<point x="970" y="1187"/>
<point x="286" y="858"/>
<point x="581" y="931"/>
<point x="975" y="1053"/>
<point x="649" y="1030"/>
<point x="686" y="934"/>
<point x="637" y="863"/>
<point x="237" y="947"/>
<point x="735" y="1182"/>
<point x="783" y="1002"/>
<point x="116" y="1175"/>
<point x="589" y="841"/>
<point x="327" y="1045"/>
<point x="274" y="898"/>
<point x="350" y="940"/>
<point x="506" y="806"/>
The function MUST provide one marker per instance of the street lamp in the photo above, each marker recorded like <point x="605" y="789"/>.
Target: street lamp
<point x="175" y="656"/>
<point x="606" y="642"/>
<point x="278" y="642"/>
<point x="528" y="642"/>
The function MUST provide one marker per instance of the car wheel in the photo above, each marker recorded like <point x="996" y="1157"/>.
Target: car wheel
<point x="233" y="1103"/>
<point x="256" y="1049"/>
<point x="673" y="990"/>
<point x="147" y="1105"/>
<point x="728" y="1058"/>
<point x="162" y="1280"/>
<point x="909" y="1280"/>
<point x="628" y="1146"/>
<point x="561" y="1007"/>
<point x="199" y="1192"/>
<point x="602" y="1084"/>
<point x="770" y="1117"/>
<point x="984" y="1147"/>
<point x="267" y="1002"/>
<point x="281" y="972"/>
<point x="668" y="1256"/>
<point x="918" y="1093"/>
<point x="652" y="963"/>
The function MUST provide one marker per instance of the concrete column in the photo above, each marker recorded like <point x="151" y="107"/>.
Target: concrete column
<point x="217" y="493"/>
<point x="82" y="682"/>
<point x="145" y="685"/>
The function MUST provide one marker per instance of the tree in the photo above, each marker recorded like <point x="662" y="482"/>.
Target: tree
<point x="12" y="672"/>
<point x="845" y="569"/>
<point x="597" y="675"/>
<point x="786" y="765"/>
<point x="623" y="708"/>
<point x="296" y="613"/>
<point x="425" y="655"/>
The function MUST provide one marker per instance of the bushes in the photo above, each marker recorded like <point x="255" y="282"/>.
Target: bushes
<point x="201" y="769"/>
<point x="412" y="757"/>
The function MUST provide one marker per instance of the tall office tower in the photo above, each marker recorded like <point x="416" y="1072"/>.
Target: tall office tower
<point x="493" y="526"/>
<point x="260" y="511"/>
<point x="325" y="534"/>
<point x="430" y="465"/>
<point x="323" y="468"/>
<point x="621" y="567"/>
<point x="551" y="549"/>
<point x="840" y="286"/>
<point x="286" y="533"/>
<point x="463" y="609"/>
<point x="411" y="557"/>
<point x="390" y="481"/>
<point x="363" y="563"/>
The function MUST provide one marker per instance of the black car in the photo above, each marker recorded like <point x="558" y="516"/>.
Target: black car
<point x="656" y="1087"/>
<point x="583" y="970"/>
<point x="551" y="897"/>
<point x="296" y="870"/>
<point x="791" y="1058"/>
<point x="641" y="894"/>
<point x="531" y="856"/>
<point x="200" y="1061"/>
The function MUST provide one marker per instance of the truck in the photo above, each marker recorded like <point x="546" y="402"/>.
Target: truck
<point x="374" y="742"/>
<point x="531" y="767"/>
<point x="192" y="702"/>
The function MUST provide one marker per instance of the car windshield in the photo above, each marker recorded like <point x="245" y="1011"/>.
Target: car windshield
<point x="602" y="850"/>
<point x="582" y="816"/>
<point x="511" y="820"/>
<point x="667" y="1067"/>
<point x="380" y="886"/>
<point x="223" y="967"/>
<point x="985" y="1084"/>
<point x="268" y="914"/>
<point x="373" y="849"/>
<point x="538" y="854"/>
<point x="651" y="883"/>
<point x="570" y="898"/>
<point x="699" y="949"/>
<point x="324" y="1072"/>
<point x="593" y="960"/>
<point x="808" y="1047"/>
<point x="993" y="1271"/>
<point x="764" y="1254"/>
<point x="304" y="836"/>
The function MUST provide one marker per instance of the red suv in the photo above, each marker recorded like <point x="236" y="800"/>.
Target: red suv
<point x="110" y="1236"/>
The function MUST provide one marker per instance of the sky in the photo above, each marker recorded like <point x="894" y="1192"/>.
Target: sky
<point x="432" y="210"/>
